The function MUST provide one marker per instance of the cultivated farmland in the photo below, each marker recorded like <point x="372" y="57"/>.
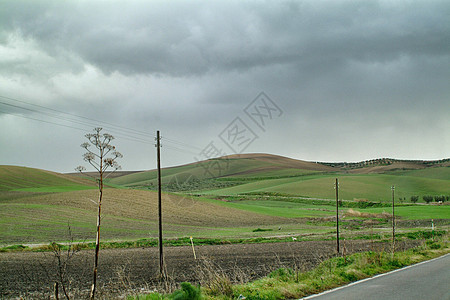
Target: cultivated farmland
<point x="262" y="197"/>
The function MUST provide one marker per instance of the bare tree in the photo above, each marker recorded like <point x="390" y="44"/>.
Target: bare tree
<point x="62" y="264"/>
<point x="103" y="158"/>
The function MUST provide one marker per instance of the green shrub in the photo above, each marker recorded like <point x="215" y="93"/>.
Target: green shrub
<point x="187" y="292"/>
<point x="348" y="276"/>
<point x="261" y="230"/>
<point x="283" y="274"/>
<point x="152" y="296"/>
<point x="422" y="234"/>
<point x="395" y="263"/>
<point x="433" y="245"/>
<point x="427" y="198"/>
<point x="258" y="293"/>
<point x="13" y="248"/>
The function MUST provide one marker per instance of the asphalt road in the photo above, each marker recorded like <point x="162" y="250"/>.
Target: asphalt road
<point x="427" y="280"/>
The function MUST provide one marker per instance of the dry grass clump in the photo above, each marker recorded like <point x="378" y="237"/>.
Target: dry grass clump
<point x="213" y="278"/>
<point x="354" y="213"/>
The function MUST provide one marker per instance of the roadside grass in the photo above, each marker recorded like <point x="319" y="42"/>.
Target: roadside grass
<point x="153" y="242"/>
<point x="287" y="283"/>
<point x="186" y="241"/>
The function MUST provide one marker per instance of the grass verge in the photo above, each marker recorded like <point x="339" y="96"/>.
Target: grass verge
<point x="285" y="283"/>
<point x="186" y="241"/>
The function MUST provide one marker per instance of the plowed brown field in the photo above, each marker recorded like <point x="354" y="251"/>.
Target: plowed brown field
<point x="123" y="271"/>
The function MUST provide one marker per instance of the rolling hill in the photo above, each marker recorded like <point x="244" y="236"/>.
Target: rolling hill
<point x="233" y="166"/>
<point x="372" y="187"/>
<point x="265" y="173"/>
<point x="251" y="192"/>
<point x="22" y="179"/>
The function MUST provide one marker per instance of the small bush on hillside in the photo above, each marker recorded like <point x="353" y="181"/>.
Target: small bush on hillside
<point x="414" y="199"/>
<point x="427" y="198"/>
<point x="440" y="198"/>
<point x="261" y="230"/>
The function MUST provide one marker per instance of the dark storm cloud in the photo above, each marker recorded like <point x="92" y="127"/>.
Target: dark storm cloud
<point x="358" y="75"/>
<point x="191" y="38"/>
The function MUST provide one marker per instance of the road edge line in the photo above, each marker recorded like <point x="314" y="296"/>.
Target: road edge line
<point x="370" y="278"/>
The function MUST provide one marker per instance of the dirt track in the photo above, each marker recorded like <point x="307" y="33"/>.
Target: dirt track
<point x="122" y="271"/>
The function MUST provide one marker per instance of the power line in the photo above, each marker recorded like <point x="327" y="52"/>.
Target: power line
<point x="124" y="132"/>
<point x="179" y="150"/>
<point x="48" y="122"/>
<point x="179" y="143"/>
<point x="67" y="126"/>
<point x="133" y="131"/>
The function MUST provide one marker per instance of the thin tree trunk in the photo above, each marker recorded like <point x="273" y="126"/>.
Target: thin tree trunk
<point x="56" y="291"/>
<point x="97" y="241"/>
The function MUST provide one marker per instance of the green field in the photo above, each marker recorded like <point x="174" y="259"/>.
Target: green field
<point x="23" y="179"/>
<point x="278" y="196"/>
<point x="241" y="167"/>
<point x="274" y="174"/>
<point x="417" y="212"/>
<point x="373" y="187"/>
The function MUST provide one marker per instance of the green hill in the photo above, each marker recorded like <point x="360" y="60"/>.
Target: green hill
<point x="242" y="166"/>
<point x="265" y="174"/>
<point x="373" y="187"/>
<point x="263" y="191"/>
<point x="22" y="179"/>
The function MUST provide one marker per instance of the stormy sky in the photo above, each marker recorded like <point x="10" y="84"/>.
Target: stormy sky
<point x="312" y="80"/>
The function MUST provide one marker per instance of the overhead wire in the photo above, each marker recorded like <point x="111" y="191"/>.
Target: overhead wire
<point x="96" y="122"/>
<point x="124" y="132"/>
<point x="48" y="122"/>
<point x="179" y="143"/>
<point x="130" y="138"/>
<point x="179" y="150"/>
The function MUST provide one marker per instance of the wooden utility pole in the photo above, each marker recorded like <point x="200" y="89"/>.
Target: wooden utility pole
<point x="161" y="257"/>
<point x="337" y="216"/>
<point x="393" y="219"/>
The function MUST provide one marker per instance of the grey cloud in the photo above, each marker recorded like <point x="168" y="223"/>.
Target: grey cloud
<point x="355" y="74"/>
<point x="185" y="39"/>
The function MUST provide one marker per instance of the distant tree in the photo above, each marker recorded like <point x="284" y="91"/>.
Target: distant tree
<point x="427" y="198"/>
<point x="414" y="199"/>
<point x="102" y="158"/>
<point x="441" y="198"/>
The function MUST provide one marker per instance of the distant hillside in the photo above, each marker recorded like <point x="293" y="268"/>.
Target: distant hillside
<point x="95" y="174"/>
<point x="13" y="178"/>
<point x="233" y="166"/>
<point x="386" y="164"/>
